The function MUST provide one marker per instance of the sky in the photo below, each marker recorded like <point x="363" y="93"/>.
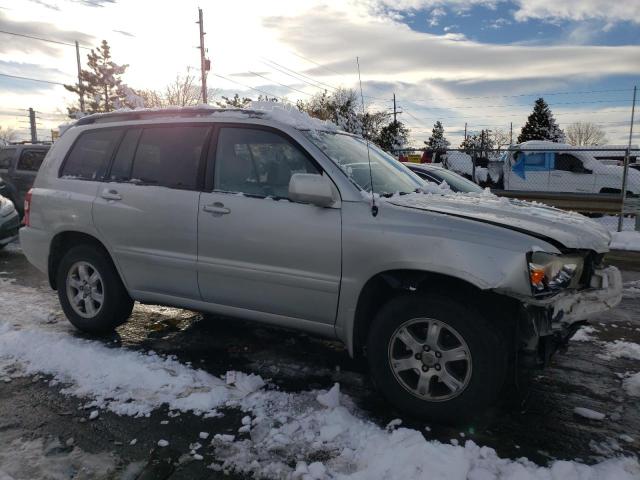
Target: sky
<point x="482" y="63"/>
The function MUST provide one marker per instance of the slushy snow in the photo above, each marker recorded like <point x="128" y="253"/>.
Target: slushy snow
<point x="285" y="427"/>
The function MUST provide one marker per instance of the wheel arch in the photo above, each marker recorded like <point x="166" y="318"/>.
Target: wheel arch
<point x="384" y="286"/>
<point x="62" y="242"/>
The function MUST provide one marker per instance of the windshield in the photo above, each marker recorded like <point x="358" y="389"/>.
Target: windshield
<point x="457" y="182"/>
<point x="350" y="154"/>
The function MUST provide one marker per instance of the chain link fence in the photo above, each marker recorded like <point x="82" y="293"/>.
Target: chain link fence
<point x="588" y="180"/>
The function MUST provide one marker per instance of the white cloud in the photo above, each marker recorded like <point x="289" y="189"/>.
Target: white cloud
<point x="606" y="10"/>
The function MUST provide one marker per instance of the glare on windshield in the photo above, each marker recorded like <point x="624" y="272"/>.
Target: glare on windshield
<point x="350" y="153"/>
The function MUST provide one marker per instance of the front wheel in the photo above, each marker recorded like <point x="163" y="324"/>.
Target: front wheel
<point x="90" y="291"/>
<point x="435" y="359"/>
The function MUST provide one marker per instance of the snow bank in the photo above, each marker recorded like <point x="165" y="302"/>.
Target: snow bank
<point x="621" y="349"/>
<point x="287" y="432"/>
<point x="625" y="240"/>
<point x="584" y="334"/>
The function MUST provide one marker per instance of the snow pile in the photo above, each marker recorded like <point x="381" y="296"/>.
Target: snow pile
<point x="316" y="434"/>
<point x="625" y="240"/>
<point x="290" y="115"/>
<point x="631" y="385"/>
<point x="584" y="334"/>
<point x="621" y="349"/>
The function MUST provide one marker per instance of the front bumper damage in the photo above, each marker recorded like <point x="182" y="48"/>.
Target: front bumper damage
<point x="546" y="325"/>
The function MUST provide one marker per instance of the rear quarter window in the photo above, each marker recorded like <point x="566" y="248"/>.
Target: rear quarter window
<point x="90" y="154"/>
<point x="30" y="160"/>
<point x="6" y="156"/>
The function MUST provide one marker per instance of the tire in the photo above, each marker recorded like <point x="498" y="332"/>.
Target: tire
<point x="91" y="315"/>
<point x="480" y="373"/>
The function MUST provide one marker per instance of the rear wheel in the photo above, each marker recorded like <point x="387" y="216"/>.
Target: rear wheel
<point x="436" y="359"/>
<point x="90" y="290"/>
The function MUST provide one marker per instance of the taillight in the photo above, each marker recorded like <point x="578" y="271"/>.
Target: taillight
<point x="27" y="208"/>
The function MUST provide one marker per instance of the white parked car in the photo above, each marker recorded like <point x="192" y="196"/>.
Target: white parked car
<point x="558" y="167"/>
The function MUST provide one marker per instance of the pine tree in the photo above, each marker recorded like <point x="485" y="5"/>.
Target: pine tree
<point x="101" y="83"/>
<point x="480" y="145"/>
<point x="392" y="137"/>
<point x="437" y="142"/>
<point x="541" y="125"/>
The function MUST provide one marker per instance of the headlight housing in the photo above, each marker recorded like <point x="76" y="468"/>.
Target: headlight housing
<point x="549" y="273"/>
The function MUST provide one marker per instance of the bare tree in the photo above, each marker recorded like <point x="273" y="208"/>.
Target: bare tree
<point x="500" y="138"/>
<point x="7" y="135"/>
<point x="585" y="134"/>
<point x="182" y="92"/>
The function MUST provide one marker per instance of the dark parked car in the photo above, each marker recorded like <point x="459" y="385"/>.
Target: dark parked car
<point x="19" y="165"/>
<point x="434" y="174"/>
<point x="9" y="222"/>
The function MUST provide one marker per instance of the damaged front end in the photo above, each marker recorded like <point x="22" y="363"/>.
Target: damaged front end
<point x="548" y="321"/>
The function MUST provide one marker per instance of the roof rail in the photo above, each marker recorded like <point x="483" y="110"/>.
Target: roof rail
<point x="146" y="114"/>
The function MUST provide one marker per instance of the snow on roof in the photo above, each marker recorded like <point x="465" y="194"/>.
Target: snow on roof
<point x="283" y="113"/>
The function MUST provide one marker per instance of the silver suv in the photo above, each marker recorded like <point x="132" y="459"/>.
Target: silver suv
<point x="269" y="215"/>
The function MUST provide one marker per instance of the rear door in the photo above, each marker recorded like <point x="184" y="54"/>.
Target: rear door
<point x="257" y="250"/>
<point x="146" y="210"/>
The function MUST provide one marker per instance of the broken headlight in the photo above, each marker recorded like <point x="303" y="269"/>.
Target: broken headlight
<point x="550" y="273"/>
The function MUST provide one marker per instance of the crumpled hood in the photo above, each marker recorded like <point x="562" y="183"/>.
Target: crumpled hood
<point x="570" y="229"/>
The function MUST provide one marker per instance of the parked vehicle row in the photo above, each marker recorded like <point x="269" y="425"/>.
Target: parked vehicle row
<point x="9" y="222"/>
<point x="254" y="214"/>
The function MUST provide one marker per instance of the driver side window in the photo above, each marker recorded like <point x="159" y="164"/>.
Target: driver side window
<point x="257" y="162"/>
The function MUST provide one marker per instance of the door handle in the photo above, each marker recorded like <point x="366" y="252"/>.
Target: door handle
<point x="217" y="208"/>
<point x="111" y="194"/>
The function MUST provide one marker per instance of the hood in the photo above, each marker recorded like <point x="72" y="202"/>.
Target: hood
<point x="568" y="229"/>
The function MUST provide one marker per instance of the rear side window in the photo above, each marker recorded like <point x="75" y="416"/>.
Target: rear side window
<point x="169" y="156"/>
<point x="121" y="168"/>
<point x="30" y="160"/>
<point x="6" y="155"/>
<point x="90" y="154"/>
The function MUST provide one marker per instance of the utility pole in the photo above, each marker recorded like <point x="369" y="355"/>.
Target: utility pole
<point x="511" y="134"/>
<point x="80" y="86"/>
<point x="625" y="173"/>
<point x="394" y="109"/>
<point x="465" y="130"/>
<point x="32" y="124"/>
<point x="204" y="62"/>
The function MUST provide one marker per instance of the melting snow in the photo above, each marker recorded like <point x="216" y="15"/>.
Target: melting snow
<point x="289" y="431"/>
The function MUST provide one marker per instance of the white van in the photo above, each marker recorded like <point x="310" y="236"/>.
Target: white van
<point x="556" y="167"/>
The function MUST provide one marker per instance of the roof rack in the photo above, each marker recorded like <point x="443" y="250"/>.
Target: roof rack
<point x="123" y="116"/>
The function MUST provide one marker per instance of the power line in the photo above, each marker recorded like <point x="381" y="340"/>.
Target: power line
<point x="281" y="84"/>
<point x="555" y="114"/>
<point x="43" y="39"/>
<point x="460" y="107"/>
<point x="30" y="78"/>
<point x="249" y="87"/>
<point x="297" y="74"/>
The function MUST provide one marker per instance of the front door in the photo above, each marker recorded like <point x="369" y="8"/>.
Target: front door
<point x="529" y="171"/>
<point x="256" y="249"/>
<point x="147" y="208"/>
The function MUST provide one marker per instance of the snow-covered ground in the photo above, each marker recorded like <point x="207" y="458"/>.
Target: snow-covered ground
<point x="282" y="434"/>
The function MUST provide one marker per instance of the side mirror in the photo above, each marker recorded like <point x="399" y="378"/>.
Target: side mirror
<point x="311" y="188"/>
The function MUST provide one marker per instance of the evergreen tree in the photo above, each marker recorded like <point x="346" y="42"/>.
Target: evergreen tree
<point x="481" y="144"/>
<point x="392" y="137"/>
<point x="437" y="142"/>
<point x="541" y="125"/>
<point x="101" y="83"/>
<point x="235" y="102"/>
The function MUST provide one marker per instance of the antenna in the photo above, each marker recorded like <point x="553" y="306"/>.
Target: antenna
<point x="374" y="207"/>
